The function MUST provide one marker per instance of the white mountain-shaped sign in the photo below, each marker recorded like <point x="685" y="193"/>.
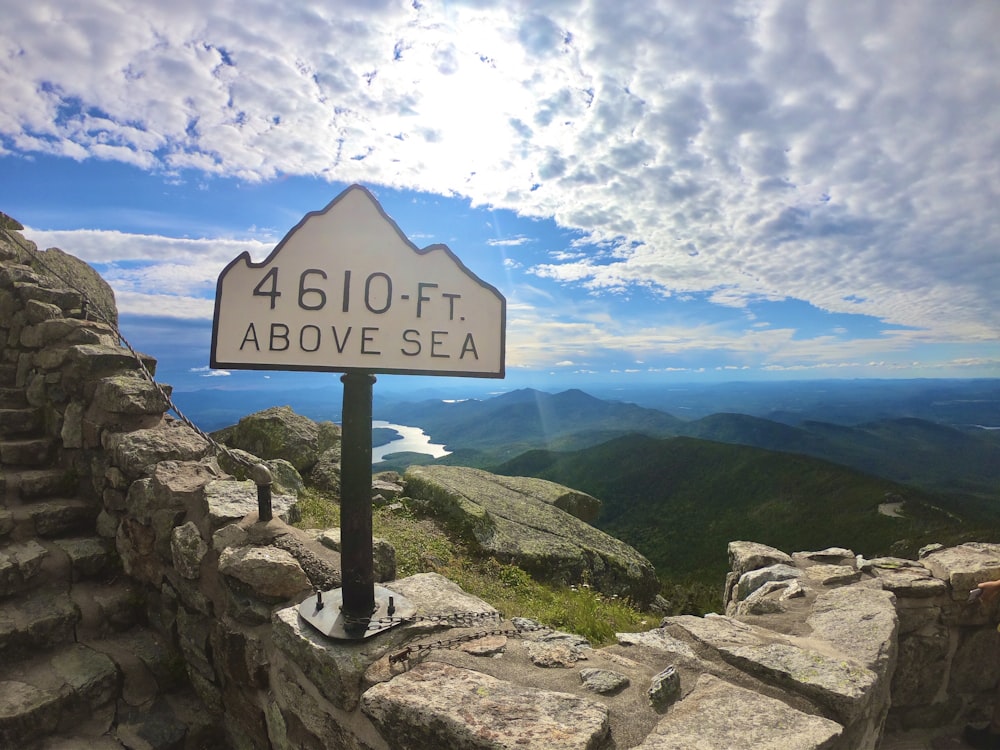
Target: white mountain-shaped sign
<point x="346" y="290"/>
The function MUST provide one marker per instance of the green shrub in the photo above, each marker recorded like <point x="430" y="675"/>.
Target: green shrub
<point x="318" y="510"/>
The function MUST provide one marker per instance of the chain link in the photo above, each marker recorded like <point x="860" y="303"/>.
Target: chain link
<point x="96" y="311"/>
<point x="518" y="627"/>
<point x="454" y="620"/>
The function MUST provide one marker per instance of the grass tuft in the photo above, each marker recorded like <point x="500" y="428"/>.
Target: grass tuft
<point x="317" y="510"/>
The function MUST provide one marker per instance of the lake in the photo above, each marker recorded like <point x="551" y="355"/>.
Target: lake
<point x="412" y="440"/>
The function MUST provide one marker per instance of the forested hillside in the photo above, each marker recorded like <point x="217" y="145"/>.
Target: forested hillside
<point x="680" y="501"/>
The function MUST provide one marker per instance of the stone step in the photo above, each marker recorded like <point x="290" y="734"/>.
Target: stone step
<point x="26" y="452"/>
<point x="107" y="608"/>
<point x="42" y="617"/>
<point x="37" y="620"/>
<point x="19" y="421"/>
<point x="88" y="557"/>
<point x="33" y="563"/>
<point x="51" y="518"/>
<point x="28" y="483"/>
<point x="20" y="566"/>
<point x="171" y="722"/>
<point x="149" y="665"/>
<point x="13" y="398"/>
<point x="73" y="689"/>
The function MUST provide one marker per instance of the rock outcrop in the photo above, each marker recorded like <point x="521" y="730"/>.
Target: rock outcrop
<point x="507" y="521"/>
<point x="74" y="273"/>
<point x="279" y="432"/>
<point x="576" y="503"/>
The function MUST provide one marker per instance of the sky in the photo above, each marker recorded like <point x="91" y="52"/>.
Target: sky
<point x="661" y="190"/>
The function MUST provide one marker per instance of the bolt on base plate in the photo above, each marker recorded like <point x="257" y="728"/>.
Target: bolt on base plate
<point x="323" y="610"/>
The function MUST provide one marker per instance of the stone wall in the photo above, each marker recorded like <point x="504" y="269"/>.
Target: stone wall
<point x="817" y="650"/>
<point x="78" y="662"/>
<point x="948" y="650"/>
<point x="947" y="663"/>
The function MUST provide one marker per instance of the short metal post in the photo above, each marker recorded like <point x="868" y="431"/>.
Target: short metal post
<point x="358" y="568"/>
<point x="261" y="475"/>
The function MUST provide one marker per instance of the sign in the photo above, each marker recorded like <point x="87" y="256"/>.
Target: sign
<point x="345" y="290"/>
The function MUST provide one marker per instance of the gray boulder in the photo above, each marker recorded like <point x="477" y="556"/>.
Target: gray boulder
<point x="279" y="432"/>
<point x="517" y="527"/>
<point x="326" y="473"/>
<point x="9" y="222"/>
<point x="273" y="574"/>
<point x="64" y="269"/>
<point x="747" y="556"/>
<point x="285" y="479"/>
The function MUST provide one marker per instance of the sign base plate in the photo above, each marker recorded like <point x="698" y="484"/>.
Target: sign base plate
<point x="323" y="610"/>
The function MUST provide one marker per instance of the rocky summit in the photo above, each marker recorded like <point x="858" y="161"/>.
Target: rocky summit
<point x="144" y="604"/>
<point x="517" y="520"/>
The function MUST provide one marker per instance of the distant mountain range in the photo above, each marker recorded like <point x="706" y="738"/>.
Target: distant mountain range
<point x="954" y="402"/>
<point x="943" y="457"/>
<point x="487" y="433"/>
<point x="494" y="430"/>
<point x="907" y="450"/>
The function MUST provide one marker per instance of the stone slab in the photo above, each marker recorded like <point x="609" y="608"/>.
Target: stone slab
<point x="438" y="705"/>
<point x="965" y="566"/>
<point x="337" y="668"/>
<point x="860" y="622"/>
<point x="836" y="682"/>
<point x="719" y="716"/>
<point x="658" y="640"/>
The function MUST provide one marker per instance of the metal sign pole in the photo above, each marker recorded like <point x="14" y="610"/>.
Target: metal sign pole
<point x="359" y="609"/>
<point x="356" y="496"/>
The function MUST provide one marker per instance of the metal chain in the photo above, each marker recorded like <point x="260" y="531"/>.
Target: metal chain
<point x="96" y="311"/>
<point x="417" y="649"/>
<point x="454" y="620"/>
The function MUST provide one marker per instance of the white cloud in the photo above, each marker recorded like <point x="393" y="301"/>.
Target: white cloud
<point x="107" y="246"/>
<point x="177" y="307"/>
<point x="208" y="372"/>
<point x="839" y="153"/>
<point x="182" y="287"/>
<point x="509" y="242"/>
